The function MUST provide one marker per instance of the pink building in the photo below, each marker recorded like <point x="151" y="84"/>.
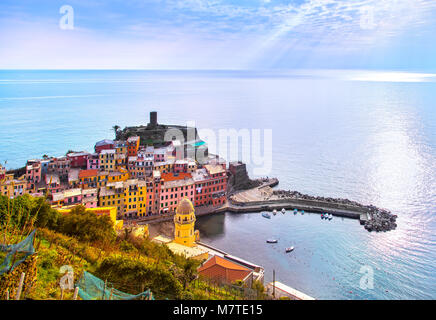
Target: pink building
<point x="93" y="161"/>
<point x="160" y="155"/>
<point x="72" y="197"/>
<point x="176" y="186"/>
<point x="2" y="172"/>
<point x="33" y="174"/>
<point x="89" y="198"/>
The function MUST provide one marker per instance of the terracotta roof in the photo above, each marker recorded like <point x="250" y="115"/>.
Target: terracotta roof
<point x="219" y="268"/>
<point x="88" y="173"/>
<point x="223" y="263"/>
<point x="172" y="177"/>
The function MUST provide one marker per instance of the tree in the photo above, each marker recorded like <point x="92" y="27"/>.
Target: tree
<point x="87" y="226"/>
<point x="189" y="272"/>
<point x="116" y="128"/>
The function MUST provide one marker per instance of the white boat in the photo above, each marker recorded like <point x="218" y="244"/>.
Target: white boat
<point x="289" y="249"/>
<point x="274" y="212"/>
<point x="283" y="210"/>
<point x="272" y="241"/>
<point x="266" y="215"/>
<point x="330" y="216"/>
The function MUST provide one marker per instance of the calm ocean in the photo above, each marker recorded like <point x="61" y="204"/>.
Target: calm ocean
<point x="373" y="142"/>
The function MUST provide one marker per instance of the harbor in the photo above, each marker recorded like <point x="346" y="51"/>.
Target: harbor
<point x="264" y="199"/>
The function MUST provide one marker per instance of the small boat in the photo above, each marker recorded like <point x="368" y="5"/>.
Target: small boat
<point x="295" y="211"/>
<point x="330" y="216"/>
<point x="283" y="210"/>
<point x="289" y="249"/>
<point x="302" y="211"/>
<point x="266" y="215"/>
<point x="274" y="212"/>
<point x="272" y="241"/>
<point x="322" y="215"/>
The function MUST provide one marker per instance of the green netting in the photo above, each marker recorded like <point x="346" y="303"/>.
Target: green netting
<point x="93" y="288"/>
<point x="25" y="248"/>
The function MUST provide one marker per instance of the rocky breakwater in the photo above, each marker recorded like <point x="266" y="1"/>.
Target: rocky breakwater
<point x="380" y="220"/>
<point x="377" y="219"/>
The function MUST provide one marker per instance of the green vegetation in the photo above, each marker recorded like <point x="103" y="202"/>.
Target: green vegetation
<point x="88" y="242"/>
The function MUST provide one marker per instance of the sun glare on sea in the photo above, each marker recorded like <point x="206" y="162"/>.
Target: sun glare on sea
<point x="392" y="76"/>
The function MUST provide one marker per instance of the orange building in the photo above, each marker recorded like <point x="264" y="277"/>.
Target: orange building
<point x="133" y="146"/>
<point x="221" y="270"/>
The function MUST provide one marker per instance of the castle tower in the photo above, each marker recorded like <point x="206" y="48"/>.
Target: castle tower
<point x="153" y="119"/>
<point x="184" y="222"/>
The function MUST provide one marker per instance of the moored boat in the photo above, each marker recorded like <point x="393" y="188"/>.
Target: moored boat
<point x="266" y="215"/>
<point x="302" y="211"/>
<point x="274" y="212"/>
<point x="272" y="241"/>
<point x="295" y="211"/>
<point x="289" y="249"/>
<point x="283" y="210"/>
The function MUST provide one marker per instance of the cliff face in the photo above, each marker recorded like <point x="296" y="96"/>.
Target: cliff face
<point x="239" y="179"/>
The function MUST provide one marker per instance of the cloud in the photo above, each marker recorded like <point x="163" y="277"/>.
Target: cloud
<point x="206" y="33"/>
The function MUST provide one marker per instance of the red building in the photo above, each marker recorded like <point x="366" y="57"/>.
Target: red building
<point x="78" y="159"/>
<point x="210" y="185"/>
<point x="104" y="145"/>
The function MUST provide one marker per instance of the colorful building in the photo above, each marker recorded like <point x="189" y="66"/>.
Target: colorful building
<point x="185" y="237"/>
<point x="121" y="147"/>
<point x="163" y="167"/>
<point x="13" y="187"/>
<point x="33" y="174"/>
<point x="93" y="161"/>
<point x="93" y="178"/>
<point x="103" y="145"/>
<point x="129" y="197"/>
<point x="221" y="270"/>
<point x="78" y="159"/>
<point x="133" y="146"/>
<point x="90" y="198"/>
<point x="2" y="172"/>
<point x="176" y="187"/>
<point x="60" y="167"/>
<point x="210" y="185"/>
<point x="107" y="160"/>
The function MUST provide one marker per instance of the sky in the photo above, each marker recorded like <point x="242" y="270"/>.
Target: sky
<point x="218" y="34"/>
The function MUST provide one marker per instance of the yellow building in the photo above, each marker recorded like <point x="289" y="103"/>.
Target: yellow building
<point x="185" y="237"/>
<point x="130" y="197"/>
<point x="107" y="160"/>
<point x="184" y="222"/>
<point x="109" y="211"/>
<point x="164" y="167"/>
<point x="13" y="187"/>
<point x="135" y="198"/>
<point x="121" y="175"/>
